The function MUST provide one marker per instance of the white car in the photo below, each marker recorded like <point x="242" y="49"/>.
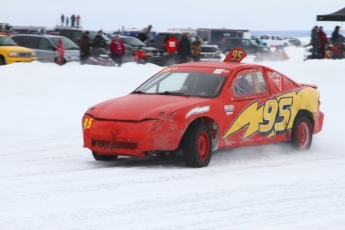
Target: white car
<point x="274" y="40"/>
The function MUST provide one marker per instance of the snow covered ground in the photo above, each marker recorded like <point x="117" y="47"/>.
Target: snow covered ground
<point x="48" y="181"/>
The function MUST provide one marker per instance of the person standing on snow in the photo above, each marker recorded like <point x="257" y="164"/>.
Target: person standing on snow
<point x="323" y="43"/>
<point x="145" y="34"/>
<point x="84" y="45"/>
<point x="171" y="48"/>
<point x="61" y="52"/>
<point x="98" y="41"/>
<point x="314" y="41"/>
<point x="183" y="49"/>
<point x="117" y="49"/>
<point x="196" y="50"/>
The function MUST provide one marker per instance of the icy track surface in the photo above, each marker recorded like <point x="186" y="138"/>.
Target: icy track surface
<point x="48" y="181"/>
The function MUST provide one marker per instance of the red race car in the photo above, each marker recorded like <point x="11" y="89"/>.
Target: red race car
<point x="193" y="109"/>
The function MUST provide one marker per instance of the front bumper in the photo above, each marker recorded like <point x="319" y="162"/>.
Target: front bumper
<point x="133" y="139"/>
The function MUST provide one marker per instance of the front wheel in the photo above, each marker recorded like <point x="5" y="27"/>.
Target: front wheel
<point x="103" y="157"/>
<point x="302" y="135"/>
<point x="2" y="61"/>
<point x="197" y="145"/>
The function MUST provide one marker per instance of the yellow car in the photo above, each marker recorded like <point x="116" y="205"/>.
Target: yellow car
<point x="10" y="52"/>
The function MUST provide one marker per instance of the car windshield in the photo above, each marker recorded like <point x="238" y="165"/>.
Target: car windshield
<point x="183" y="84"/>
<point x="133" y="41"/>
<point x="6" y="41"/>
<point x="69" y="44"/>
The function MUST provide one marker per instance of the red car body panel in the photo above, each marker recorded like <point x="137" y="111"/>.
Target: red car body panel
<point x="137" y="124"/>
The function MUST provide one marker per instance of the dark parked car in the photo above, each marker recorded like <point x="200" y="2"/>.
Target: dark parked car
<point x="208" y="52"/>
<point x="76" y="34"/>
<point x="154" y="55"/>
<point x="250" y="46"/>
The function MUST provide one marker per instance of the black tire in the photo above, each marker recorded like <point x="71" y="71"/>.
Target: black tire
<point x="302" y="133"/>
<point x="103" y="157"/>
<point x="2" y="60"/>
<point x="197" y="145"/>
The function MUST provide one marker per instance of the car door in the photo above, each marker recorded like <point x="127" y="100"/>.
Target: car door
<point x="248" y="118"/>
<point x="47" y="50"/>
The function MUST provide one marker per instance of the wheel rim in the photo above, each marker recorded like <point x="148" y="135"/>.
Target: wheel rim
<point x="203" y="146"/>
<point x="303" y="135"/>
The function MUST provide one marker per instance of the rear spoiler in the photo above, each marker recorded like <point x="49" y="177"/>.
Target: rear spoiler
<point x="309" y="85"/>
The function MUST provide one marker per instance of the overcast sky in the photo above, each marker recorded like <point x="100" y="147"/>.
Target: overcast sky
<point x="113" y="14"/>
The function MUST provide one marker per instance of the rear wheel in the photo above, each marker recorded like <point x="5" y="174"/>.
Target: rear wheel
<point x="197" y="145"/>
<point x="2" y="60"/>
<point x="302" y="135"/>
<point x="103" y="157"/>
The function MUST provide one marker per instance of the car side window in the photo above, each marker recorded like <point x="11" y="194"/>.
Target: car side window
<point x="31" y="42"/>
<point x="44" y="43"/>
<point x="249" y="83"/>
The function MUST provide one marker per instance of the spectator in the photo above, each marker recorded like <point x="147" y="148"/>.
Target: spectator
<point x="323" y="42"/>
<point x="78" y="20"/>
<point x="72" y="20"/>
<point x="335" y="35"/>
<point x="62" y="19"/>
<point x="61" y="52"/>
<point x="98" y="41"/>
<point x="117" y="49"/>
<point x="139" y="56"/>
<point x="314" y="41"/>
<point x="171" y="48"/>
<point x="183" y="49"/>
<point x="84" y="45"/>
<point x="196" y="50"/>
<point x="67" y="21"/>
<point x="145" y="34"/>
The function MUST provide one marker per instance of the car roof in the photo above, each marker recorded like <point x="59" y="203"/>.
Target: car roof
<point x="218" y="65"/>
<point x="38" y="35"/>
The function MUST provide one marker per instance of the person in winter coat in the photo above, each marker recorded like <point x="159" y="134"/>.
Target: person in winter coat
<point x="99" y="41"/>
<point x="61" y="52"/>
<point x="184" y="49"/>
<point x="322" y="44"/>
<point x="72" y="20"/>
<point x="67" y="21"/>
<point x="171" y="45"/>
<point x="62" y="19"/>
<point x="196" y="50"/>
<point x="84" y="45"/>
<point x="145" y="34"/>
<point x="139" y="56"/>
<point x="335" y="35"/>
<point x="78" y="20"/>
<point x="117" y="49"/>
<point x="314" y="41"/>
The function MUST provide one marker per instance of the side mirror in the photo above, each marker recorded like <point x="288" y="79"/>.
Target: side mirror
<point x="52" y="48"/>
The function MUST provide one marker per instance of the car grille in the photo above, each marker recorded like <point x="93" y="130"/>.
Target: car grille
<point x="114" y="145"/>
<point x="25" y="55"/>
<point x="157" y="53"/>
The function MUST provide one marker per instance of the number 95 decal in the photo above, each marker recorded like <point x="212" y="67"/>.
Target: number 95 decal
<point x="268" y="119"/>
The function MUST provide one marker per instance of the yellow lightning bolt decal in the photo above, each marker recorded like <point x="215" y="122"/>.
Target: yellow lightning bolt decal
<point x="251" y="117"/>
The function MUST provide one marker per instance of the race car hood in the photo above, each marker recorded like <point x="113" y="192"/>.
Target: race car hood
<point x="138" y="107"/>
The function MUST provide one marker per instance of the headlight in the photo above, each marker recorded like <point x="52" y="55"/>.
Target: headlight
<point x="33" y="54"/>
<point x="147" y="55"/>
<point x="73" y="58"/>
<point x="13" y="54"/>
